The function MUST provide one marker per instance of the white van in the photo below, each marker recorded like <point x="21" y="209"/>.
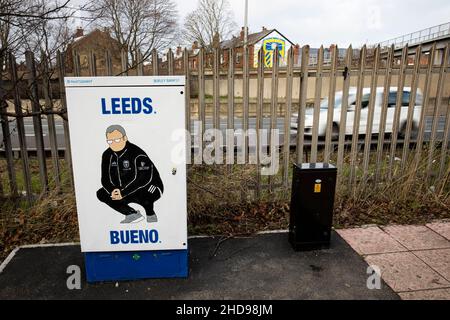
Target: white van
<point x="309" y="115"/>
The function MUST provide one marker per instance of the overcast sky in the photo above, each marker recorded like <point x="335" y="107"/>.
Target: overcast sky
<point x="339" y="21"/>
<point x="343" y="22"/>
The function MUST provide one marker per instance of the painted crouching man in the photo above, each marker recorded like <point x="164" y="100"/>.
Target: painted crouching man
<point x="128" y="176"/>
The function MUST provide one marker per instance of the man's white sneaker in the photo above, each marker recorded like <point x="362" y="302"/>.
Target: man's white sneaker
<point x="133" y="218"/>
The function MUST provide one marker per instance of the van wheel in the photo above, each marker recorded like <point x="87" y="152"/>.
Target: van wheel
<point x="402" y="132"/>
<point x="414" y="131"/>
<point x="335" y="132"/>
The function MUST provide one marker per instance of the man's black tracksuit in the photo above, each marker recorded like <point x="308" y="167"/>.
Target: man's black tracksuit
<point x="134" y="174"/>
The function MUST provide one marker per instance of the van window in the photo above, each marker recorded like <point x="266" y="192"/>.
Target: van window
<point x="393" y="99"/>
<point x="405" y="99"/>
<point x="364" y="101"/>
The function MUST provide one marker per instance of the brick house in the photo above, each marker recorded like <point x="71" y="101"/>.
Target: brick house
<point x="255" y="42"/>
<point x="266" y="38"/>
<point x="98" y="42"/>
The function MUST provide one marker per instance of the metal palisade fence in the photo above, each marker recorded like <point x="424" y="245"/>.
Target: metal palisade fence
<point x="373" y="112"/>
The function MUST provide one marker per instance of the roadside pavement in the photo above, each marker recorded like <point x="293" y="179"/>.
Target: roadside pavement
<point x="259" y="267"/>
<point x="414" y="260"/>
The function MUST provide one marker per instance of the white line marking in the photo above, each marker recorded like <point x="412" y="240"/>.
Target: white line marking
<point x="199" y="237"/>
<point x="273" y="231"/>
<point x="8" y="259"/>
<point x="32" y="246"/>
<point x="50" y="245"/>
<point x="258" y="233"/>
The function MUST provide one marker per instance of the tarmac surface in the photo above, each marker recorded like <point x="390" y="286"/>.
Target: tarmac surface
<point x="260" y="267"/>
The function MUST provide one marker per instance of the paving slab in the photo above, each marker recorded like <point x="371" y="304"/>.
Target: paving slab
<point x="417" y="237"/>
<point x="260" y="267"/>
<point x="437" y="294"/>
<point x="370" y="240"/>
<point x="443" y="228"/>
<point x="438" y="259"/>
<point x="403" y="271"/>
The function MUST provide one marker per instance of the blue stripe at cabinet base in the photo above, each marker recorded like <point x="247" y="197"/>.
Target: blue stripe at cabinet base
<point x="121" y="266"/>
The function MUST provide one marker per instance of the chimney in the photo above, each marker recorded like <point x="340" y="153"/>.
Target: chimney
<point x="195" y="45"/>
<point x="178" y="52"/>
<point x="242" y="35"/>
<point x="264" y="28"/>
<point x="79" y="32"/>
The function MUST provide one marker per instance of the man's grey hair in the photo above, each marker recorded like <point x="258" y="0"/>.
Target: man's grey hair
<point x="116" y="127"/>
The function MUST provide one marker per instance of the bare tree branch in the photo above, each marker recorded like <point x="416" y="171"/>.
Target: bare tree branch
<point x="35" y="25"/>
<point x="138" y="25"/>
<point x="47" y="14"/>
<point x="211" y="18"/>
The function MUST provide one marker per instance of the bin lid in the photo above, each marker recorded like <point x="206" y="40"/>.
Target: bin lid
<point x="314" y="166"/>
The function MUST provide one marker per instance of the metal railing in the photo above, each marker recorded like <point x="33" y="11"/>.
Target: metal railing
<point x="418" y="37"/>
<point x="228" y="97"/>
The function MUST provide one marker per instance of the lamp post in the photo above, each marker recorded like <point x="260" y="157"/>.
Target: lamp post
<point x="246" y="25"/>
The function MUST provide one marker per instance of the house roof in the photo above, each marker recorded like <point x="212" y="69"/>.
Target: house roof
<point x="252" y="39"/>
<point x="97" y="32"/>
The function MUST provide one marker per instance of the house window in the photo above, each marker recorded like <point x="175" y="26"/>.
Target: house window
<point x="238" y="58"/>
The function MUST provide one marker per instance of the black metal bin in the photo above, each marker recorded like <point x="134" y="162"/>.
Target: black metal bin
<point x="312" y="202"/>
